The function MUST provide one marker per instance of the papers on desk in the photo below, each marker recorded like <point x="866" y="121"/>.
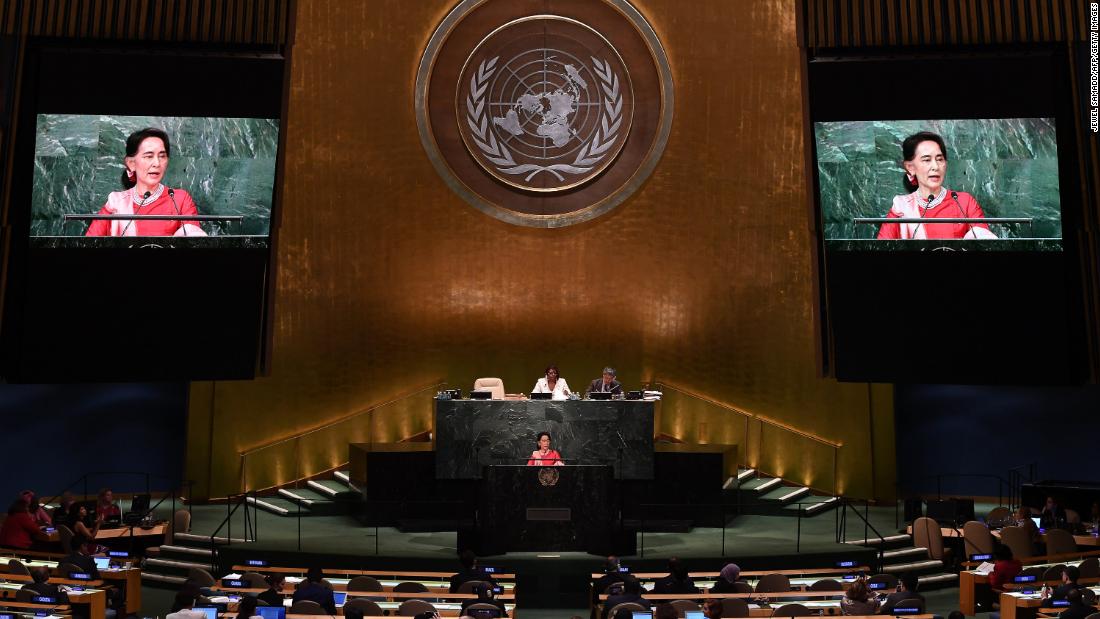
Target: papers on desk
<point x="233" y="577"/>
<point x="651" y="395"/>
<point x="985" y="568"/>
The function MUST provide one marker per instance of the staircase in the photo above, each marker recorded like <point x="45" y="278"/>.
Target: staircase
<point x="316" y="497"/>
<point x="774" y="496"/>
<point x="187" y="550"/>
<point x="900" y="556"/>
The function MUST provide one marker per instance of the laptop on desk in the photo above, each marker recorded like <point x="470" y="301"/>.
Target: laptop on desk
<point x="271" y="612"/>
<point x="599" y="395"/>
<point x="102" y="563"/>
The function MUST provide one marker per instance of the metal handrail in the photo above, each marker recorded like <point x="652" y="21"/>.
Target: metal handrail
<point x="325" y="426"/>
<point x="757" y="416"/>
<point x="842" y="526"/>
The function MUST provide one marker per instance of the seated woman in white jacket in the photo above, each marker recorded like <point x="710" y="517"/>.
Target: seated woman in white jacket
<point x="552" y="383"/>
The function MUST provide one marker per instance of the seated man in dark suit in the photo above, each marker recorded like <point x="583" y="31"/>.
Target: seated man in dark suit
<point x="314" y="590"/>
<point x="1077" y="608"/>
<point x="632" y="592"/>
<point x="605" y="384"/>
<point x="81" y="556"/>
<point x="41" y="586"/>
<point x="677" y="581"/>
<point x="611" y="575"/>
<point x="1070" y="574"/>
<point x="908" y="591"/>
<point x="469" y="572"/>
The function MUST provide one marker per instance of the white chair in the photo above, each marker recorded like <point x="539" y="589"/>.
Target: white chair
<point x="490" y="384"/>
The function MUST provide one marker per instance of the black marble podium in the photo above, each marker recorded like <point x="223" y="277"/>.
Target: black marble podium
<point x="538" y="508"/>
<point x="472" y="434"/>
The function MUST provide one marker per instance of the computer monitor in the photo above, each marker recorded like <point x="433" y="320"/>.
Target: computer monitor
<point x="1038" y="521"/>
<point x="102" y="563"/>
<point x="599" y="395"/>
<point x="340" y="597"/>
<point x="693" y="614"/>
<point x="642" y="614"/>
<point x="542" y="396"/>
<point x="481" y="395"/>
<point x="211" y="612"/>
<point x="271" y="612"/>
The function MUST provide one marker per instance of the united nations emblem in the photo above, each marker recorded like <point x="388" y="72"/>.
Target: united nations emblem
<point x="544" y="120"/>
<point x="544" y="113"/>
<point x="548" y="476"/>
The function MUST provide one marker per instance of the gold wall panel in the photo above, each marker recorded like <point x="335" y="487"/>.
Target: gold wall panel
<point x="387" y="280"/>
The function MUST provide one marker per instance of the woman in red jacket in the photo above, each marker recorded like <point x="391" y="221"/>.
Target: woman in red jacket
<point x="20" y="530"/>
<point x="1005" y="568"/>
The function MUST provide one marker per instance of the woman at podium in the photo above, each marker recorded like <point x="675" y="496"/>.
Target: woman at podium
<point x="544" y="456"/>
<point x="146" y="162"/>
<point x="924" y="157"/>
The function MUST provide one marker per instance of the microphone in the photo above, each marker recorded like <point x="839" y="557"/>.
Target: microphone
<point x="969" y="226"/>
<point x="172" y="197"/>
<point x="924" y="209"/>
<point x="141" y="204"/>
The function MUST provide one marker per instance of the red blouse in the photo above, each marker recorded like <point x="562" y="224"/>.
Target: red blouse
<point x="965" y="206"/>
<point x="156" y="227"/>
<point x="551" y="458"/>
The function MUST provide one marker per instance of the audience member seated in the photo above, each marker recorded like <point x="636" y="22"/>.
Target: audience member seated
<point x="19" y="529"/>
<point x="81" y="556"/>
<point x="274" y="594"/>
<point x="665" y="611"/>
<point x="724" y="583"/>
<point x="858" y="600"/>
<point x="1069" y="583"/>
<point x="314" y="590"/>
<point x="77" y="518"/>
<point x="1053" y="515"/>
<point x="1005" y="568"/>
<point x="677" y="581"/>
<point x="632" y="592"/>
<point x="41" y="585"/>
<point x="1077" y="608"/>
<point x="105" y="506"/>
<point x="41" y="518"/>
<point x="908" y="592"/>
<point x="63" y="505"/>
<point x="182" y="607"/>
<point x="712" y="608"/>
<point x="485" y="595"/>
<point x="246" y="608"/>
<point x="611" y="576"/>
<point x="468" y="572"/>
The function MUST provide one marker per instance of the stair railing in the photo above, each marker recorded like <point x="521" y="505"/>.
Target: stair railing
<point x="842" y="526"/>
<point x="232" y="504"/>
<point x="762" y="424"/>
<point x="256" y="463"/>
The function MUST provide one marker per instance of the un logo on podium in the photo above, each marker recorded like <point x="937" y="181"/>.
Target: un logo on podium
<point x="548" y="476"/>
<point x="544" y="120"/>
